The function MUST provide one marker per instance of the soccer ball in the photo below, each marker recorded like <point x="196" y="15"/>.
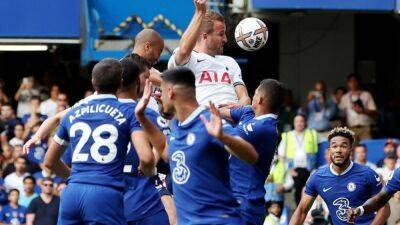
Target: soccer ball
<point x="251" y="34"/>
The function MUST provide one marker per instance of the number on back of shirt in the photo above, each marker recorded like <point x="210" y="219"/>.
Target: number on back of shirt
<point x="108" y="130"/>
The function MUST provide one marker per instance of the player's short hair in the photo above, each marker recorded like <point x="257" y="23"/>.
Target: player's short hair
<point x="342" y="132"/>
<point x="29" y="178"/>
<point x="131" y="72"/>
<point x="274" y="91"/>
<point x="179" y="75"/>
<point x="13" y="190"/>
<point x="207" y="24"/>
<point x="106" y="75"/>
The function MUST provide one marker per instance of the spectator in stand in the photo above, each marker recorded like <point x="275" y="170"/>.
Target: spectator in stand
<point x="389" y="166"/>
<point x="18" y="138"/>
<point x="274" y="212"/>
<point x="360" y="156"/>
<point x="35" y="110"/>
<point x="388" y="149"/>
<point x="13" y="213"/>
<point x="287" y="112"/>
<point x="3" y="97"/>
<point x="62" y="100"/>
<point x="26" y="90"/>
<point x="6" y="156"/>
<point x="320" y="108"/>
<point x="359" y="108"/>
<point x="15" y="179"/>
<point x="9" y="120"/>
<point x="339" y="92"/>
<point x="278" y="182"/>
<point x="298" y="149"/>
<point x="43" y="210"/>
<point x="29" y="191"/>
<point x="49" y="107"/>
<point x="16" y="152"/>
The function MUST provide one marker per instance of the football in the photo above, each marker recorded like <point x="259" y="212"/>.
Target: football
<point x="251" y="34"/>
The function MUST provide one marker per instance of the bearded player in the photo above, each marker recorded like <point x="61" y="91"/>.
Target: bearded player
<point x="342" y="185"/>
<point x="218" y="77"/>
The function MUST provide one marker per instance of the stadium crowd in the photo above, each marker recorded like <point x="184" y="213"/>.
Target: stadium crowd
<point x="30" y="191"/>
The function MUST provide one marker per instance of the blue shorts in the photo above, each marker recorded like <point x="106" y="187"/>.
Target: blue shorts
<point x="91" y="204"/>
<point x="252" y="211"/>
<point x="160" y="218"/>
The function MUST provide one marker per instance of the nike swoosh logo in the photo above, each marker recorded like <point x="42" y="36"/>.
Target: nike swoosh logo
<point x="200" y="60"/>
<point x="326" y="189"/>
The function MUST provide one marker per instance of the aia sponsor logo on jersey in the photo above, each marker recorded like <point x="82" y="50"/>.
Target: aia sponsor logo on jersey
<point x="214" y="77"/>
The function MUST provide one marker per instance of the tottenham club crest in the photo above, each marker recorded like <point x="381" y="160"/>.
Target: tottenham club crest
<point x="351" y="186"/>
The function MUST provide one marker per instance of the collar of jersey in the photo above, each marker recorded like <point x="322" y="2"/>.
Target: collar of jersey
<point x="126" y="100"/>
<point x="192" y="116"/>
<point x="344" y="172"/>
<point x="269" y="115"/>
<point x="100" y="96"/>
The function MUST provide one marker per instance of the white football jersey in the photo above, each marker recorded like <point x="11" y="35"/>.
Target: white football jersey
<point x="216" y="77"/>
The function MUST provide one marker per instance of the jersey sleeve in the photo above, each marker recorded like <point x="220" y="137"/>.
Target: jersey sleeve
<point x="134" y="124"/>
<point x="236" y="73"/>
<point x="238" y="113"/>
<point x="311" y="187"/>
<point x="374" y="182"/>
<point x="228" y="129"/>
<point x="172" y="62"/>
<point x="393" y="184"/>
<point x="62" y="137"/>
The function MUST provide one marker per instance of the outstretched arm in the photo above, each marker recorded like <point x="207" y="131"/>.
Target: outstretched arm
<point x="155" y="136"/>
<point x="52" y="160"/>
<point x="44" y="130"/>
<point x="302" y="209"/>
<point x="371" y="205"/>
<point x="234" y="145"/>
<point x="192" y="33"/>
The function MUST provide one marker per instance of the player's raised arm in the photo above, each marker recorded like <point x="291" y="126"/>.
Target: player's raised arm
<point x="47" y="126"/>
<point x="154" y="135"/>
<point x="302" y="209"/>
<point x="243" y="96"/>
<point x="192" y="33"/>
<point x="236" y="145"/>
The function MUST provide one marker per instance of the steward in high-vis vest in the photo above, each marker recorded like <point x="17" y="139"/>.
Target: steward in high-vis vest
<point x="298" y="149"/>
<point x="292" y="144"/>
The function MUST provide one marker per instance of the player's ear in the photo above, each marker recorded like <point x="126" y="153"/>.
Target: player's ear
<point x="170" y="92"/>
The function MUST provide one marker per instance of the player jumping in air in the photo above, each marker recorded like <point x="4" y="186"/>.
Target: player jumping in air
<point x="218" y="77"/>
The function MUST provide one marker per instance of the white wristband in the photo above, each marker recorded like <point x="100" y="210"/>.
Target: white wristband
<point x="361" y="210"/>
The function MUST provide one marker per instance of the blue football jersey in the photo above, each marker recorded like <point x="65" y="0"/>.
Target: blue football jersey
<point x="98" y="130"/>
<point x="343" y="192"/>
<point x="200" y="173"/>
<point x="10" y="215"/>
<point x="393" y="185"/>
<point x="141" y="197"/>
<point x="248" y="180"/>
